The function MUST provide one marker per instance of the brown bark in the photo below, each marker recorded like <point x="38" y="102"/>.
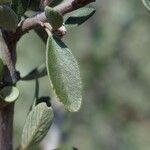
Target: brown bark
<point x="7" y="54"/>
<point x="6" y="127"/>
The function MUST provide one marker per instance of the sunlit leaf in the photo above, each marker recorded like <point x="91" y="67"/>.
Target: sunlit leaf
<point x="36" y="73"/>
<point x="54" y="18"/>
<point x="36" y="125"/>
<point x="79" y="16"/>
<point x="8" y="18"/>
<point x="9" y="94"/>
<point x="146" y="4"/>
<point x="64" y="74"/>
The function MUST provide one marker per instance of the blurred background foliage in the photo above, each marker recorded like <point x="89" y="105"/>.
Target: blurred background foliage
<point x="113" y="52"/>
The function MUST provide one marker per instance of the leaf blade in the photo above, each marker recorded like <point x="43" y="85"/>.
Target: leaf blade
<point x="20" y="7"/>
<point x="78" y="17"/>
<point x="54" y="18"/>
<point x="37" y="125"/>
<point x="12" y="20"/>
<point x="64" y="73"/>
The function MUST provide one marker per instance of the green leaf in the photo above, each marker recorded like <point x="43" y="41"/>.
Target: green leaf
<point x="5" y="1"/>
<point x="1" y="69"/>
<point x="20" y="7"/>
<point x="36" y="73"/>
<point x="8" y="18"/>
<point x="34" y="5"/>
<point x="64" y="73"/>
<point x="79" y="16"/>
<point x="54" y="18"/>
<point x="67" y="148"/>
<point x="9" y="94"/>
<point x="36" y="125"/>
<point x="146" y="4"/>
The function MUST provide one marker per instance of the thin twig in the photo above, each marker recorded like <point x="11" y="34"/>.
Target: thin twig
<point x="36" y="21"/>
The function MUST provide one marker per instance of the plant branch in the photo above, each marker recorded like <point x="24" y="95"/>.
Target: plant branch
<point x="6" y="126"/>
<point x="36" y="21"/>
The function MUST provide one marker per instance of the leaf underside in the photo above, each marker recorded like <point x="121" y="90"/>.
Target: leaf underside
<point x="37" y="125"/>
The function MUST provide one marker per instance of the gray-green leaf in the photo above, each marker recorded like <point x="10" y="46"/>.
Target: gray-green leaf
<point x="64" y="74"/>
<point x="20" y="7"/>
<point x="8" y="18"/>
<point x="79" y="16"/>
<point x="36" y="125"/>
<point x="36" y="73"/>
<point x="9" y="94"/>
<point x="54" y="18"/>
<point x="146" y="4"/>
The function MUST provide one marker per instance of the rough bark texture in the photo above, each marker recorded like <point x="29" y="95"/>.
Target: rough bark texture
<point x="7" y="54"/>
<point x="6" y="127"/>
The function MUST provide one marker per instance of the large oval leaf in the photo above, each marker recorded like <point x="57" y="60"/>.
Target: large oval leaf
<point x="8" y="18"/>
<point x="54" y="18"/>
<point x="79" y="16"/>
<point x="36" y="125"/>
<point x="146" y="4"/>
<point x="64" y="73"/>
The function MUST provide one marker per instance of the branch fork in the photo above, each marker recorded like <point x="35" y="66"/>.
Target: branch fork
<point x="40" y="19"/>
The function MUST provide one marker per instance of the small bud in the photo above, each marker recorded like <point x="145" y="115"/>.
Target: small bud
<point x="53" y="17"/>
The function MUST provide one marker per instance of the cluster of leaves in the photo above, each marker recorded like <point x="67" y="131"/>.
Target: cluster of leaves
<point x="60" y="66"/>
